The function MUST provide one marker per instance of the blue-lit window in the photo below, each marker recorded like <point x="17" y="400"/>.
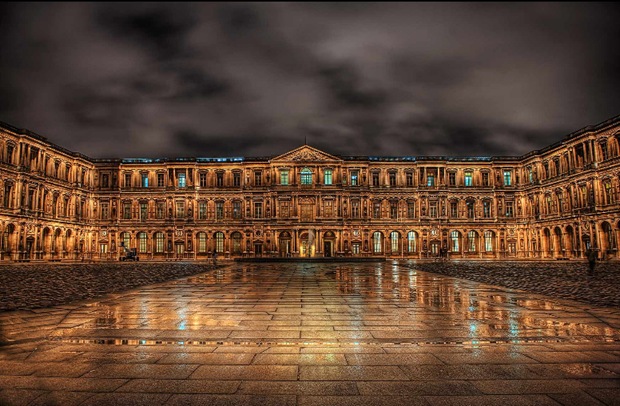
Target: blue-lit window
<point x="284" y="177"/>
<point x="468" y="178"/>
<point x="354" y="178"/>
<point x="306" y="176"/>
<point x="181" y="178"/>
<point x="507" y="178"/>
<point x="145" y="180"/>
<point x="430" y="180"/>
<point x="328" y="177"/>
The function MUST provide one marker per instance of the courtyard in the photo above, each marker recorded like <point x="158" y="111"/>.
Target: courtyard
<point x="388" y="333"/>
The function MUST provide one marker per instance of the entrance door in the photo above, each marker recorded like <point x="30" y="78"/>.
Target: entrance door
<point x="258" y="249"/>
<point x="29" y="245"/>
<point x="180" y="249"/>
<point x="285" y="248"/>
<point x="435" y="248"/>
<point x="327" y="248"/>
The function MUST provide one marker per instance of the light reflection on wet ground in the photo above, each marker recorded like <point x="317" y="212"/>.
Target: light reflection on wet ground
<point x="335" y="303"/>
<point x="313" y="334"/>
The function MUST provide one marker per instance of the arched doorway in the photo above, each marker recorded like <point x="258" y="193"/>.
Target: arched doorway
<point x="608" y="240"/>
<point x="284" y="244"/>
<point x="329" y="243"/>
<point x="547" y="243"/>
<point x="47" y="243"/>
<point x="570" y="241"/>
<point x="558" y="244"/>
<point x="307" y="246"/>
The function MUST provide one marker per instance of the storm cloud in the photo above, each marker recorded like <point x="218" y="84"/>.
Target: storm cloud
<point x="258" y="79"/>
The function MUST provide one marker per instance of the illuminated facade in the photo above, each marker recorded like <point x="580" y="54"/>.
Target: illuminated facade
<point x="553" y="203"/>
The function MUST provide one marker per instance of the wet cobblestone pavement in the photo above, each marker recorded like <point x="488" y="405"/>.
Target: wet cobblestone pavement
<point x="313" y="334"/>
<point x="31" y="286"/>
<point x="561" y="279"/>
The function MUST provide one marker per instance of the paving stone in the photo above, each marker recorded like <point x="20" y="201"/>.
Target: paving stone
<point x="312" y="334"/>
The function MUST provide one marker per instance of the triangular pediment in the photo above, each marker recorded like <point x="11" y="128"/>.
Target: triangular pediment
<point x="306" y="153"/>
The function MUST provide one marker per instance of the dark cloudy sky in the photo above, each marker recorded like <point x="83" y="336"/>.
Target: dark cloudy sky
<point x="256" y="79"/>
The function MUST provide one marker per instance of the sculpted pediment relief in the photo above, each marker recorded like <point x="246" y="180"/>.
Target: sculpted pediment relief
<point x="305" y="153"/>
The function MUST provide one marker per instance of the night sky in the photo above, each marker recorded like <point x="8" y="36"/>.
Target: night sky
<point x="257" y="79"/>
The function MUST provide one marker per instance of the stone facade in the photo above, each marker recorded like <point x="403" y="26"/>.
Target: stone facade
<point x="58" y="205"/>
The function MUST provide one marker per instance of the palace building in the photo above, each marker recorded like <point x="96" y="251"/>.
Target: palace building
<point x="554" y="203"/>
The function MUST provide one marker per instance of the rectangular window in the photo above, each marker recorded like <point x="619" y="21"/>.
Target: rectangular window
<point x="284" y="209"/>
<point x="219" y="210"/>
<point x="160" y="210"/>
<point x="509" y="209"/>
<point x="236" y="179"/>
<point x="181" y="178"/>
<point x="126" y="210"/>
<point x="376" y="210"/>
<point x="128" y="180"/>
<point x="258" y="210"/>
<point x="375" y="179"/>
<point x="485" y="178"/>
<point x="105" y="180"/>
<point x="392" y="178"/>
<point x="144" y="211"/>
<point x="468" y="178"/>
<point x="284" y="177"/>
<point x="180" y="209"/>
<point x="202" y="210"/>
<point x="306" y="176"/>
<point x="103" y="248"/>
<point x="507" y="178"/>
<point x="430" y="180"/>
<point x="486" y="209"/>
<point x="219" y="179"/>
<point x="307" y="212"/>
<point x="105" y="211"/>
<point x="432" y="209"/>
<point x="258" y="175"/>
<point x="328" y="177"/>
<point x="410" y="210"/>
<point x="354" y="176"/>
<point x="355" y="209"/>
<point x="454" y="213"/>
<point x="451" y="179"/>
<point x="409" y="177"/>
<point x="328" y="208"/>
<point x="237" y="209"/>
<point x="160" y="180"/>
<point x="203" y="179"/>
<point x="393" y="210"/>
<point x="145" y="180"/>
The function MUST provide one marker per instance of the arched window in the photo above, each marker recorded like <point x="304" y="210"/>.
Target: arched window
<point x="411" y="241"/>
<point x="202" y="242"/>
<point x="219" y="242"/>
<point x="377" y="242"/>
<point x="306" y="176"/>
<point x="142" y="242"/>
<point x="455" y="237"/>
<point x="159" y="242"/>
<point x="472" y="241"/>
<point x="394" y="241"/>
<point x="488" y="241"/>
<point x="126" y="239"/>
